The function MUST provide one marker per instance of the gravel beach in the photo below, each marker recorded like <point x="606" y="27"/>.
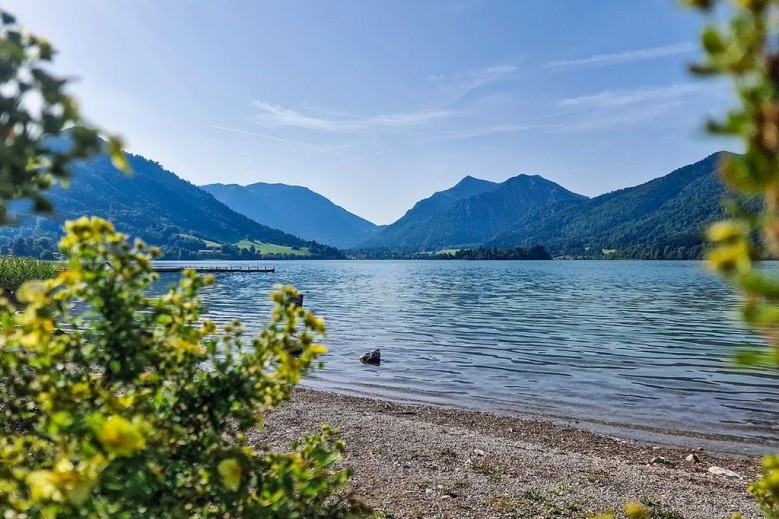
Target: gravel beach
<point x="419" y="461"/>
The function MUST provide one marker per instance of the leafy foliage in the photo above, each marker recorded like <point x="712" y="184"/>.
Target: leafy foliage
<point x="745" y="50"/>
<point x="34" y="106"/>
<point x="139" y="407"/>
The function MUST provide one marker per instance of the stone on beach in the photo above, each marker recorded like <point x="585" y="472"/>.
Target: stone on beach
<point x="659" y="460"/>
<point x="719" y="471"/>
<point x="371" y="357"/>
<point x="693" y="458"/>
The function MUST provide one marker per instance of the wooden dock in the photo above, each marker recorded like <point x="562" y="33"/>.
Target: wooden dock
<point x="215" y="269"/>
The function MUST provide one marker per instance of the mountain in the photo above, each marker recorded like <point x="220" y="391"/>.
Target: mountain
<point x="296" y="210"/>
<point x="162" y="209"/>
<point x="663" y="217"/>
<point x="471" y="213"/>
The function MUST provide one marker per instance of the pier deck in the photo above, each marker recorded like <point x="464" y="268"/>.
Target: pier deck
<point x="214" y="269"/>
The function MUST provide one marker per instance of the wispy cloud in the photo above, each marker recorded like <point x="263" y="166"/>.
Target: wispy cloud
<point x="291" y="142"/>
<point x="625" y="107"/>
<point x="617" y="58"/>
<point x="622" y="98"/>
<point x="272" y="115"/>
<point x="475" y="78"/>
<point x="469" y="133"/>
<point x="463" y="134"/>
<point x="456" y="86"/>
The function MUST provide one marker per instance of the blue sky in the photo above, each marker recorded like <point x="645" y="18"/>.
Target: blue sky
<point x="377" y="104"/>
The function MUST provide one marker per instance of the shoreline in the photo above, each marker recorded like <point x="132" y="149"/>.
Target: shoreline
<point x="434" y="462"/>
<point x="722" y="444"/>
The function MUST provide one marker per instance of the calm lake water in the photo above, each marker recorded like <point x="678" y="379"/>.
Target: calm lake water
<point x="640" y="346"/>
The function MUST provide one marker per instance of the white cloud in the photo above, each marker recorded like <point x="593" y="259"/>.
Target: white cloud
<point x="617" y="58"/>
<point x="272" y="115"/>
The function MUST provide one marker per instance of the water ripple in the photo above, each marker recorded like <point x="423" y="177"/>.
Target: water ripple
<point x="638" y="343"/>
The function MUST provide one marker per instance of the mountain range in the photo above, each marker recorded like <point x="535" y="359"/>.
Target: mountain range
<point x="662" y="218"/>
<point x="296" y="210"/>
<point x="471" y="213"/>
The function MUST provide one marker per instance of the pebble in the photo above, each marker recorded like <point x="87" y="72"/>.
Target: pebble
<point x="479" y="452"/>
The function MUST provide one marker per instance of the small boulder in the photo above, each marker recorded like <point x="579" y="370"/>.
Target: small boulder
<point x="693" y="458"/>
<point x="719" y="471"/>
<point x="371" y="357"/>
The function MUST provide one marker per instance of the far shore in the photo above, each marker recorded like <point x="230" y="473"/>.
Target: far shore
<point x="419" y="461"/>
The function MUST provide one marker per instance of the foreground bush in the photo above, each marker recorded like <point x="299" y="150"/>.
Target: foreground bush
<point x="138" y="409"/>
<point x="745" y="51"/>
<point x="14" y="271"/>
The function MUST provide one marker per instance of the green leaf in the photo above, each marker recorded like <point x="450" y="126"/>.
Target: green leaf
<point x="118" y="158"/>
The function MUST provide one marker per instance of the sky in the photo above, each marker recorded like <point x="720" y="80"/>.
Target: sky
<point x="377" y="104"/>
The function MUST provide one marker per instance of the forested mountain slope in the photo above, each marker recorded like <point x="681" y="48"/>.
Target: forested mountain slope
<point x="158" y="207"/>
<point x="669" y="212"/>
<point x="296" y="210"/>
<point x="471" y="213"/>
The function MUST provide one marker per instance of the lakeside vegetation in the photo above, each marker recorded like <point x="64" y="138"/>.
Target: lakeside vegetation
<point x="536" y="252"/>
<point x="14" y="271"/>
<point x="184" y="247"/>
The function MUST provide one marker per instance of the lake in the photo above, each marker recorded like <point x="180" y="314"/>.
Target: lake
<point x="640" y="348"/>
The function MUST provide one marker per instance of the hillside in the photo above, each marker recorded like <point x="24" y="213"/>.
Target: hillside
<point x="471" y="213"/>
<point x="162" y="209"/>
<point x="296" y="210"/>
<point x="664" y="217"/>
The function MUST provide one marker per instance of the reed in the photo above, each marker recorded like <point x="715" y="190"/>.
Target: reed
<point x="16" y="270"/>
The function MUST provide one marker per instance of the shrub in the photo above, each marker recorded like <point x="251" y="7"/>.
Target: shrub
<point x="14" y="271"/>
<point x="745" y="51"/>
<point x="117" y="404"/>
<point x="139" y="408"/>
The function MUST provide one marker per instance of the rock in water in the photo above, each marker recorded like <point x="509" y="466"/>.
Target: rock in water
<point x="371" y="357"/>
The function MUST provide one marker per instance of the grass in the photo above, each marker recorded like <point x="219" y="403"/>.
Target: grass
<point x="15" y="270"/>
<point x="493" y="473"/>
<point x="270" y="248"/>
